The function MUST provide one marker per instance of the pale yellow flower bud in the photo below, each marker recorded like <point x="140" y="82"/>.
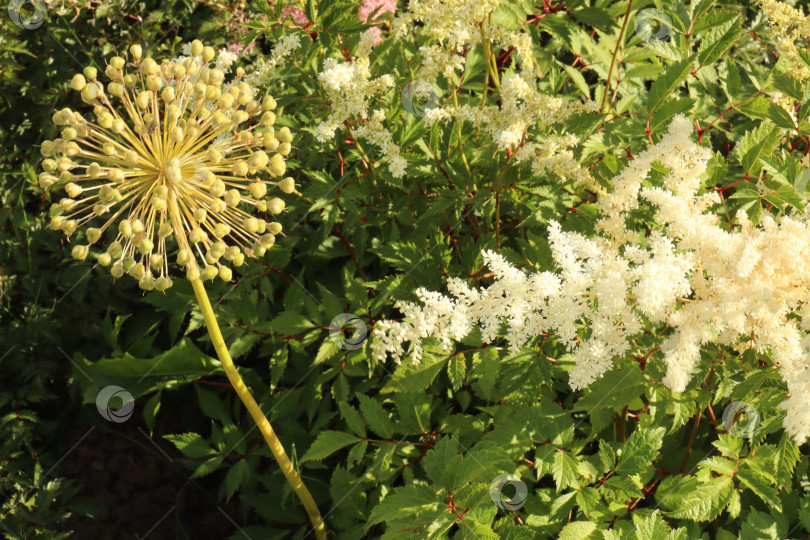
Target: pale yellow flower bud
<point x="222" y="229"/>
<point x="232" y="197"/>
<point x="78" y="82"/>
<point x="267" y="240"/>
<point x="214" y="156"/>
<point x="274" y="227"/>
<point x="284" y="135"/>
<point x="125" y="228"/>
<point x="156" y="261"/>
<point x="147" y="283"/>
<point x="225" y="273"/>
<point x="287" y="185"/>
<point x="93" y="234"/>
<point x="136" y="51"/>
<point x="183" y="257"/>
<point x="116" y="89"/>
<point x="268" y="118"/>
<point x="167" y="95"/>
<point x="80" y="252"/>
<point x="258" y="190"/>
<point x="162" y="283"/>
<point x="143" y="99"/>
<point x="117" y="269"/>
<point x="208" y="54"/>
<point x="275" y="206"/>
<point x="217" y="188"/>
<point x="209" y="272"/>
<point x="154" y="83"/>
<point x="277" y="166"/>
<point x="192" y="273"/>
<point x="196" y="235"/>
<point x="268" y="103"/>
<point x="251" y="225"/>
<point x="138" y="271"/>
<point x="104" y="259"/>
<point x="240" y="168"/>
<point x="197" y="48"/>
<point x="91" y="73"/>
<point x="90" y="92"/>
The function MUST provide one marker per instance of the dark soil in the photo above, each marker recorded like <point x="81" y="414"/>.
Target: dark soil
<point x="139" y="492"/>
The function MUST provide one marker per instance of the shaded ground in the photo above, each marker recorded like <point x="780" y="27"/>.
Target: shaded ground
<point x="139" y="492"/>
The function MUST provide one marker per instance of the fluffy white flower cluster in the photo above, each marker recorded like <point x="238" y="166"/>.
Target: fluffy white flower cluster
<point x="706" y="284"/>
<point x="456" y="26"/>
<point x="281" y="52"/>
<point x="349" y="88"/>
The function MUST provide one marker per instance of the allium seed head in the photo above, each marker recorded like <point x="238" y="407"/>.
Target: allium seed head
<point x="168" y="158"/>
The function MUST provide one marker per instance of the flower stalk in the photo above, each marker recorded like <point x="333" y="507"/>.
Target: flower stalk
<point x="255" y="411"/>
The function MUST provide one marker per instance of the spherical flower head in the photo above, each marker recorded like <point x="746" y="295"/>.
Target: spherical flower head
<point x="173" y="157"/>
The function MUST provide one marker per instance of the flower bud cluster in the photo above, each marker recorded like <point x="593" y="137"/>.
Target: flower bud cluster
<point x="172" y="155"/>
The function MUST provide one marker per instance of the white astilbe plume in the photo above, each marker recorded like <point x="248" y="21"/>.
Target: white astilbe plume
<point x="349" y="88"/>
<point x="454" y="28"/>
<point x="706" y="284"/>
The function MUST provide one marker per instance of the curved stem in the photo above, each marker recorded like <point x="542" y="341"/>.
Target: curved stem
<point x="253" y="408"/>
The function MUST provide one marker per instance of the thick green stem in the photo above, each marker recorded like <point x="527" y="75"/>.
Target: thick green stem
<point x="253" y="408"/>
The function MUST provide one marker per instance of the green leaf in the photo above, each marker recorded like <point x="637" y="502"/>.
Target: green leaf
<point x="665" y="85"/>
<point x="327" y="350"/>
<point x="191" y="444"/>
<point x="410" y="377"/>
<point x="327" y="443"/>
<point x="179" y="365"/>
<point x="237" y="475"/>
<point x="211" y="405"/>
<point x="640" y="450"/>
<point x="352" y="418"/>
<point x="686" y="498"/>
<point x="717" y="41"/>
<point x="404" y="502"/>
<point x="564" y="470"/>
<point x="758" y="142"/>
<point x="760" y="487"/>
<point x="787" y="456"/>
<point x="150" y="410"/>
<point x="376" y="417"/>
<point x="577" y="530"/>
<point x="457" y="370"/>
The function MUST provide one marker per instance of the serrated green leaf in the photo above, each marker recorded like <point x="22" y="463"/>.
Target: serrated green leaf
<point x="327" y="443"/>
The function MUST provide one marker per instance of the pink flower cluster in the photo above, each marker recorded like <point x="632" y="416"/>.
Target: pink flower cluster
<point x="379" y="6"/>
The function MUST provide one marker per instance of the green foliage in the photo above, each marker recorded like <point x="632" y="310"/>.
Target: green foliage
<point x="413" y="450"/>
